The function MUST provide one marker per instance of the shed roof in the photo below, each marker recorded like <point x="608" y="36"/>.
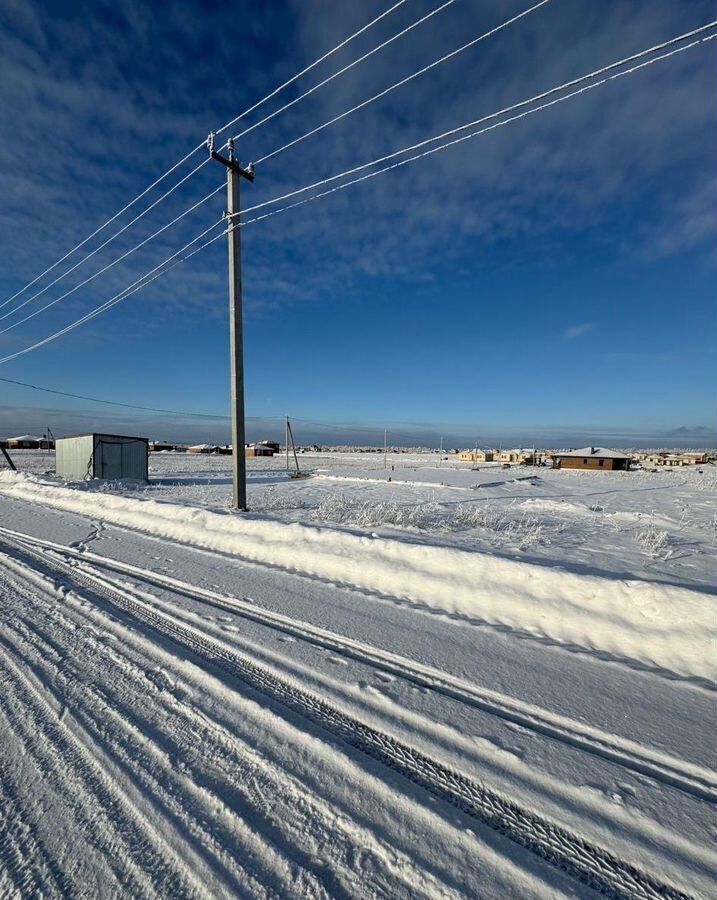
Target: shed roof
<point x="103" y="434"/>
<point x="599" y="452"/>
<point x="26" y="437"/>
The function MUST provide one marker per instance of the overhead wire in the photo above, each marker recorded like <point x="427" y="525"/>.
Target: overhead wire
<point x="144" y="280"/>
<point x="137" y="285"/>
<point x="115" y="261"/>
<point x="400" y="83"/>
<point x="346" y="68"/>
<point x="308" y="68"/>
<point x="108" y="222"/>
<point x="157" y="409"/>
<point x="473" y="134"/>
<point x="191" y="153"/>
<point x="105" y="243"/>
<point x="582" y="78"/>
<point x="338" y="426"/>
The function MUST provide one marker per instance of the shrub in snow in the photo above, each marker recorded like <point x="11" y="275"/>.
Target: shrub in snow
<point x="525" y="531"/>
<point x="653" y="541"/>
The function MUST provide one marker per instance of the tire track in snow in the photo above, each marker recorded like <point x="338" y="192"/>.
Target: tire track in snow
<point x="588" y="863"/>
<point x="26" y="865"/>
<point x="692" y="779"/>
<point x="97" y="808"/>
<point x="166" y="781"/>
<point x="379" y="869"/>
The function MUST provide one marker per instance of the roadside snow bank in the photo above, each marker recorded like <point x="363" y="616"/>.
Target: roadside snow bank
<point x="672" y="628"/>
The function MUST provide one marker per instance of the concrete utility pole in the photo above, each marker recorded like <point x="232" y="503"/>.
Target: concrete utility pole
<point x="236" y="332"/>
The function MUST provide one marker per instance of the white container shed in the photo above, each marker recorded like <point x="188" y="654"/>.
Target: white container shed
<point x="112" y="456"/>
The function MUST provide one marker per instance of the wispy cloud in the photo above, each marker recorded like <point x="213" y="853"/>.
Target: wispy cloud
<point x="576" y="331"/>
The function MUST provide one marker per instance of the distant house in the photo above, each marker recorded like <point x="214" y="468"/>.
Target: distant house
<point x="476" y="456"/>
<point x="520" y="455"/>
<point x="695" y="458"/>
<point x="25" y="442"/>
<point x="160" y="447"/>
<point x="270" y="445"/>
<point x="671" y="460"/>
<point x="593" y="458"/>
<point x="260" y="449"/>
<point x="202" y="448"/>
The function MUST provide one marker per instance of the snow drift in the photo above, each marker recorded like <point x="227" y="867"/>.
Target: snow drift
<point x="658" y="625"/>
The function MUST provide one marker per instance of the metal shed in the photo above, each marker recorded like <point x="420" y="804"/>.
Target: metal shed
<point x="101" y="456"/>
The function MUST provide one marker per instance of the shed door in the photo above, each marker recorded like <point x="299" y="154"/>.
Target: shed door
<point x="110" y="460"/>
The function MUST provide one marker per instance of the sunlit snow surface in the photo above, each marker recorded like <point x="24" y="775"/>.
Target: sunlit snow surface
<point x="637" y="524"/>
<point x="548" y="635"/>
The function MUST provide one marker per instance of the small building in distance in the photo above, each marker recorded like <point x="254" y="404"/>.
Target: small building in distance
<point x="111" y="456"/>
<point x="521" y="455"/>
<point x="202" y="448"/>
<point x="261" y="448"/>
<point x="160" y="447"/>
<point x="476" y="456"/>
<point x="671" y="460"/>
<point x="592" y="458"/>
<point x="25" y="442"/>
<point x="695" y="457"/>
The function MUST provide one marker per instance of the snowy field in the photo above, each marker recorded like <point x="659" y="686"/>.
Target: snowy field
<point x="389" y="679"/>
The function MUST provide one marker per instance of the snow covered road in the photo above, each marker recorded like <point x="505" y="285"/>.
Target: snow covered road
<point x="202" y="725"/>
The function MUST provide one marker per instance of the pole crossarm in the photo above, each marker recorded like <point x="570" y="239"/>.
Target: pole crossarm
<point x="247" y="173"/>
<point x="229" y="161"/>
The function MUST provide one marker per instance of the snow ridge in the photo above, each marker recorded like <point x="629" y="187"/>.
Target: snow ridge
<point x="660" y="626"/>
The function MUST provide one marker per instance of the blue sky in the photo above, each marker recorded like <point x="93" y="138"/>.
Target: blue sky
<point x="552" y="278"/>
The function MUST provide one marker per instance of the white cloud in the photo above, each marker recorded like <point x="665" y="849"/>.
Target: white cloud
<point x="576" y="331"/>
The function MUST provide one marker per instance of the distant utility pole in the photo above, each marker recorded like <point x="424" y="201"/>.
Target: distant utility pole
<point x="236" y="333"/>
<point x="385" y="447"/>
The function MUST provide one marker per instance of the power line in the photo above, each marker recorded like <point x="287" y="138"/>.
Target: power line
<point x="108" y="222"/>
<point x="104" y="244"/>
<point x="114" y="262"/>
<point x="346" y="68"/>
<point x="400" y="83"/>
<point x="473" y="134"/>
<point x="507" y="109"/>
<point x="141" y="282"/>
<point x="126" y="292"/>
<point x="337" y="426"/>
<point x="176" y="412"/>
<point x="200" y="146"/>
<point x="310" y="67"/>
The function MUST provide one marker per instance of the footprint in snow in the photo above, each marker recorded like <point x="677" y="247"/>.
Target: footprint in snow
<point x="285" y="639"/>
<point x="337" y="660"/>
<point x="386" y="679"/>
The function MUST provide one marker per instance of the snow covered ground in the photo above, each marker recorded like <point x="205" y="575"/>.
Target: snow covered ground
<point x="404" y="680"/>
